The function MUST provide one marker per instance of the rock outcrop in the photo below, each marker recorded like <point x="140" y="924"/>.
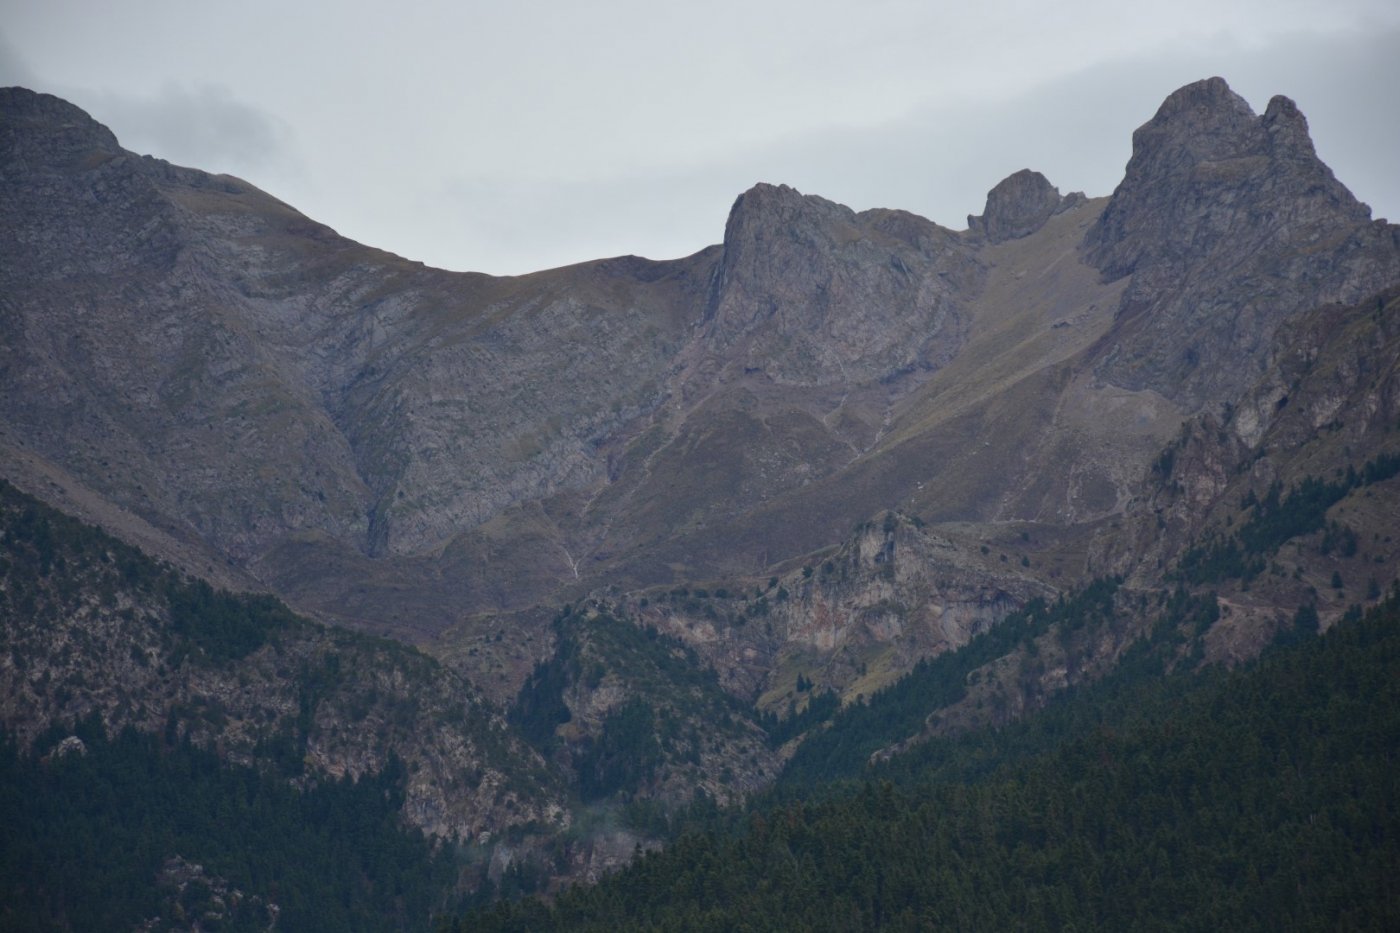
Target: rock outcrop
<point x="1228" y="224"/>
<point x="1020" y="205"/>
<point x="809" y="292"/>
<point x="853" y="619"/>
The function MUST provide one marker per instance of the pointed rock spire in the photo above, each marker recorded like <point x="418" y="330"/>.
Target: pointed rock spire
<point x="1206" y="167"/>
<point x="1228" y="224"/>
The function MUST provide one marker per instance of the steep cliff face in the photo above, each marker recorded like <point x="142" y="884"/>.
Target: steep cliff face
<point x="1228" y="224"/>
<point x="809" y="292"/>
<point x="853" y="618"/>
<point x="1287" y="499"/>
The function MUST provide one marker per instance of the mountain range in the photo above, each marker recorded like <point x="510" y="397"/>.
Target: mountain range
<point x="647" y="511"/>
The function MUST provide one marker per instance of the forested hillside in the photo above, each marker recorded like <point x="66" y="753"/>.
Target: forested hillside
<point x="114" y="832"/>
<point x="171" y="752"/>
<point x="1259" y="799"/>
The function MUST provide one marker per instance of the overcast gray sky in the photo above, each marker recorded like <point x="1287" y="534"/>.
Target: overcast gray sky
<point x="506" y="137"/>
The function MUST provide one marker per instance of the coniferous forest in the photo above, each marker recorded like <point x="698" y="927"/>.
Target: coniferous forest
<point x="1164" y="794"/>
<point x="87" y="833"/>
<point x="1265" y="798"/>
<point x="112" y="828"/>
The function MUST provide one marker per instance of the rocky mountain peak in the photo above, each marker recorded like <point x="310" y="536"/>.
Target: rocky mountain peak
<point x="1018" y="206"/>
<point x="1218" y="219"/>
<point x="72" y="201"/>
<point x="810" y="292"/>
<point x="1287" y="128"/>
<point x="1189" y="111"/>
<point x="22" y="107"/>
<point x="768" y="208"/>
<point x="1206" y="160"/>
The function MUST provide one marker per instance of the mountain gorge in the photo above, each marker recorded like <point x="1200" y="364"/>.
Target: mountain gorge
<point x="633" y="529"/>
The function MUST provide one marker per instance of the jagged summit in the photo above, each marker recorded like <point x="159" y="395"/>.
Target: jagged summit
<point x="1212" y="186"/>
<point x="1211" y="121"/>
<point x="1206" y="147"/>
<point x="1288" y="128"/>
<point x="767" y="204"/>
<point x="1020" y="205"/>
<point x="810" y="292"/>
<point x="398" y="446"/>
<point x="1206" y="105"/>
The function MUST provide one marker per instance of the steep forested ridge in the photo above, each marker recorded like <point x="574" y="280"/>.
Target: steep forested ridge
<point x="634" y="713"/>
<point x="90" y="625"/>
<point x="1259" y="799"/>
<point x="899" y="711"/>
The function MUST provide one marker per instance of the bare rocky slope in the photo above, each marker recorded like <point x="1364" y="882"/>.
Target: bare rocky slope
<point x="814" y="454"/>
<point x="394" y="447"/>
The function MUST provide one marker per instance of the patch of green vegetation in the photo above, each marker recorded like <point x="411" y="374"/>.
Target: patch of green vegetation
<point x="49" y="559"/>
<point x="221" y="626"/>
<point x="1276" y="519"/>
<point x="1255" y="799"/>
<point x="86" y="835"/>
<point x="673" y="707"/>
<point x="819" y="709"/>
<point x="624" y="755"/>
<point x="898" y="712"/>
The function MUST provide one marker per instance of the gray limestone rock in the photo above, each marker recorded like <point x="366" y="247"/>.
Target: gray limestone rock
<point x="1018" y="206"/>
<point x="400" y="448"/>
<point x="1228" y="224"/>
<point x="810" y="292"/>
